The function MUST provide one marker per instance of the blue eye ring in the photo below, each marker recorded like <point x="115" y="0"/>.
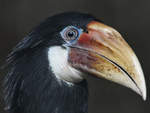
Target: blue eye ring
<point x="71" y="33"/>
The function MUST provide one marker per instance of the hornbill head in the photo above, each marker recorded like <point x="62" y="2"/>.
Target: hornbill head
<point x="66" y="47"/>
<point x="101" y="51"/>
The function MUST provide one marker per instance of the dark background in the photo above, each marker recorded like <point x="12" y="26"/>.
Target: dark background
<point x="130" y="17"/>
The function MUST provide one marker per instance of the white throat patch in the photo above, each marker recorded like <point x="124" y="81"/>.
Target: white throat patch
<point x="57" y="57"/>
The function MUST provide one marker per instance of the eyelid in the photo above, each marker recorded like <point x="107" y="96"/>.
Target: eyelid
<point x="70" y="27"/>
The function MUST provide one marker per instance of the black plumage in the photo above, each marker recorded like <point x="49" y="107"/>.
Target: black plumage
<point x="30" y="86"/>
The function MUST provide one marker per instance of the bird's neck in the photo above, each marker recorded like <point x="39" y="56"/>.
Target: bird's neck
<point x="33" y="88"/>
<point x="70" y="91"/>
<point x="68" y="99"/>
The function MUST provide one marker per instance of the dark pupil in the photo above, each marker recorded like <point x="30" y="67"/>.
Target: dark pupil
<point x="71" y="34"/>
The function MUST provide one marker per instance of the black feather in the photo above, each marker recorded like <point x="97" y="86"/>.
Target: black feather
<point x="30" y="85"/>
<point x="32" y="88"/>
<point x="47" y="33"/>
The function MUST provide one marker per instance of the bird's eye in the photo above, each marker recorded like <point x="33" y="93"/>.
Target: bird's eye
<point x="70" y="33"/>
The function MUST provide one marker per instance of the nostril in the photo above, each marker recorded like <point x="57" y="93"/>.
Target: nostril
<point x="86" y="31"/>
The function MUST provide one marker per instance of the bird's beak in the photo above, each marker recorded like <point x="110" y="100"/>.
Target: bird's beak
<point x="104" y="53"/>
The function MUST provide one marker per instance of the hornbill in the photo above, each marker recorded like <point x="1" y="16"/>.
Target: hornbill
<point x="48" y="68"/>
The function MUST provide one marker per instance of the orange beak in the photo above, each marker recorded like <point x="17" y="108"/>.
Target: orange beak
<point x="104" y="53"/>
